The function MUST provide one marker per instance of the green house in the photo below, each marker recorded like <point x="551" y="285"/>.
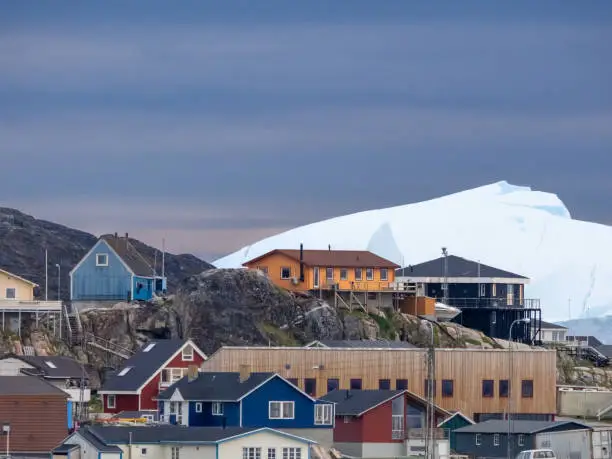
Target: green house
<point x="456" y="421"/>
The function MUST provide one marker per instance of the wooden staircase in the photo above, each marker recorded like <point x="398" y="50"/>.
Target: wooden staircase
<point x="107" y="346"/>
<point x="74" y="328"/>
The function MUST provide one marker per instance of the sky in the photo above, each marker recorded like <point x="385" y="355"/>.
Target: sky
<point x="213" y="125"/>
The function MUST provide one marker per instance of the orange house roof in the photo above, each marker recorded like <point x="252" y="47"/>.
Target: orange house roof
<point x="340" y="258"/>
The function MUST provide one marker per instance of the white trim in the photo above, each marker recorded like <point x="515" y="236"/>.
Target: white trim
<point x="393" y="397"/>
<point x="101" y="254"/>
<point x="462" y="280"/>
<point x="218" y="412"/>
<point x="117" y="392"/>
<point x="15" y="276"/>
<point x="282" y="402"/>
<point x="183" y="355"/>
<point x="331" y="406"/>
<point x="198" y="405"/>
<point x="240" y="425"/>
<point x="100" y="241"/>
<point x="275" y="375"/>
<point x="172" y="357"/>
<point x="460" y="414"/>
<point x="108" y="398"/>
<point x="270" y="430"/>
<point x="176" y="396"/>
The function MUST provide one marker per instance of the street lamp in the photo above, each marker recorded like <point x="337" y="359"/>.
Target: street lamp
<point x="59" y="282"/>
<point x="431" y="411"/>
<point x="6" y="430"/>
<point x="524" y="320"/>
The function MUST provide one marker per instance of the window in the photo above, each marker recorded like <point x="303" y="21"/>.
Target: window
<point x="521" y="440"/>
<point x="487" y="388"/>
<point x="401" y="384"/>
<point x="504" y="388"/>
<point x="369" y="273"/>
<point x="149" y="347"/>
<point x="101" y="259"/>
<point x="426" y="385"/>
<point x="384" y="384"/>
<point x="172" y="375"/>
<point x="285" y="272"/>
<point x="384" y="274"/>
<point x="355" y="384"/>
<point x="483" y="289"/>
<point x="358" y="274"/>
<point x="11" y="294"/>
<point x="343" y="274"/>
<point x="143" y="451"/>
<point x="494" y="317"/>
<point x="292" y="453"/>
<point x="329" y="273"/>
<point x="198" y="407"/>
<point x="263" y="269"/>
<point x="496" y="440"/>
<point x="310" y="386"/>
<point x="333" y="384"/>
<point x="271" y="453"/>
<point x="111" y="401"/>
<point x="324" y="415"/>
<point x="494" y="290"/>
<point x="175" y="452"/>
<point x="124" y="371"/>
<point x="447" y="387"/>
<point x="477" y="438"/>
<point x="250" y="453"/>
<point x="527" y="388"/>
<point x="217" y="409"/>
<point x="280" y="410"/>
<point x="188" y="353"/>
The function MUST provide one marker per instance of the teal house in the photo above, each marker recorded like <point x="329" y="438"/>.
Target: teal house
<point x="113" y="270"/>
<point x="456" y="421"/>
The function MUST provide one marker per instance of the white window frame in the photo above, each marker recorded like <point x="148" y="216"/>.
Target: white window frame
<point x="187" y="357"/>
<point x="198" y="407"/>
<point x="369" y="274"/>
<point x="482" y="290"/>
<point x="329" y="270"/>
<point x="292" y="452"/>
<point x="110" y="397"/>
<point x="281" y="409"/>
<point x="360" y="271"/>
<point x="282" y="270"/>
<point x="478" y="439"/>
<point x="98" y="255"/>
<point x="521" y="440"/>
<point x="495" y="439"/>
<point x="271" y="453"/>
<point x="386" y="274"/>
<point x="10" y="289"/>
<point x="324" y="414"/>
<point x="216" y="409"/>
<point x="343" y="274"/>
<point x="251" y="452"/>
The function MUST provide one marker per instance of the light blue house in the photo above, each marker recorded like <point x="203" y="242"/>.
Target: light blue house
<point x="255" y="400"/>
<point x="113" y="270"/>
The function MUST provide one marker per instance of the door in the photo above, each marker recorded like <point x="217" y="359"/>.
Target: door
<point x="316" y="277"/>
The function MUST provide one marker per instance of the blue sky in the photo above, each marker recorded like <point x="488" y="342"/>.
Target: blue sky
<point x="216" y="124"/>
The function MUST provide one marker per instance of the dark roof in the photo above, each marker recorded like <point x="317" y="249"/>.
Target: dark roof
<point x="215" y="386"/>
<point x="605" y="349"/>
<point x="60" y="366"/>
<point x="119" y="435"/>
<point x="338" y="258"/>
<point x="519" y="426"/>
<point x="457" y="267"/>
<point x="551" y="325"/>
<point x="135" y="414"/>
<point x="27" y="385"/>
<point x="363" y="343"/>
<point x="65" y="448"/>
<point x="139" y="265"/>
<point x="143" y="365"/>
<point x="97" y="442"/>
<point x="356" y="402"/>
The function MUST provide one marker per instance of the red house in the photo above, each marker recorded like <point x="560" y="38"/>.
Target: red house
<point x="151" y="370"/>
<point x="383" y="423"/>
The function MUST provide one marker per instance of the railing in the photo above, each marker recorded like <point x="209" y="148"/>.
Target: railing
<point x="108" y="346"/>
<point x="31" y="305"/>
<point x="465" y="303"/>
<point x="421" y="434"/>
<point x="359" y="286"/>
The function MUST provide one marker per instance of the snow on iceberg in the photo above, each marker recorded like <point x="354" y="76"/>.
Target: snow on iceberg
<point x="507" y="226"/>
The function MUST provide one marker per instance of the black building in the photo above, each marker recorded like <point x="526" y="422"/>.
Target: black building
<point x="490" y="299"/>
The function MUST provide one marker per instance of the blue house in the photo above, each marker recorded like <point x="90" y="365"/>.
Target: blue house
<point x="253" y="400"/>
<point x="113" y="270"/>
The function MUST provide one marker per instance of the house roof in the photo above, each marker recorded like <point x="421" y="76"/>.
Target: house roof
<point x="361" y="343"/>
<point x="119" y="435"/>
<point x="27" y="385"/>
<point x="65" y="448"/>
<point x="33" y="284"/>
<point x="551" y="326"/>
<point x="454" y="415"/>
<point x="605" y="349"/>
<point x="122" y="246"/>
<point x="457" y="267"/>
<point x="358" y="402"/>
<point x="215" y="386"/>
<point x="144" y="364"/>
<point x="519" y="426"/>
<point x="99" y="444"/>
<point x="52" y="366"/>
<point x="339" y="258"/>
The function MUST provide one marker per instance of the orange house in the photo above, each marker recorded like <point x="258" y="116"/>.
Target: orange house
<point x="354" y="276"/>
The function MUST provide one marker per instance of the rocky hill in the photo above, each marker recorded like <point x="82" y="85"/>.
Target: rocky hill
<point x="23" y="240"/>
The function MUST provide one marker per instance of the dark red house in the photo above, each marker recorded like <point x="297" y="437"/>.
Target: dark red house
<point x="151" y="370"/>
<point x="381" y="423"/>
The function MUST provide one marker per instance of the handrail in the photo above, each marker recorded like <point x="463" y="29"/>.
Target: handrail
<point x="113" y="347"/>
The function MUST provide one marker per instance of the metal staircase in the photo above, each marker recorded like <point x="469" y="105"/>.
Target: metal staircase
<point x="74" y="328"/>
<point x="107" y="346"/>
<point x="586" y="353"/>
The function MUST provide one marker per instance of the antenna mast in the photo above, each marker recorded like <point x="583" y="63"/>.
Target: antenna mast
<point x="445" y="254"/>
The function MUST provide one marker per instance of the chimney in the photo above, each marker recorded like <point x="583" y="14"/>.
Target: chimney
<point x="245" y="372"/>
<point x="192" y="373"/>
<point x="329" y="247"/>
<point x="301" y="262"/>
<point x="116" y="235"/>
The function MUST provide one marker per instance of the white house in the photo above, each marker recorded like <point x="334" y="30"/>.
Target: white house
<point x="178" y="442"/>
<point x="552" y="333"/>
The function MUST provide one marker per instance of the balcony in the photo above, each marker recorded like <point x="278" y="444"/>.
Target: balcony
<point x="30" y="306"/>
<point x="421" y="434"/>
<point x="75" y="394"/>
<point x="356" y="286"/>
<point x="505" y="303"/>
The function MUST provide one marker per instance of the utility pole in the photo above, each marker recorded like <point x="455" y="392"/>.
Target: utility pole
<point x="445" y="254"/>
<point x="46" y="274"/>
<point x="431" y="409"/>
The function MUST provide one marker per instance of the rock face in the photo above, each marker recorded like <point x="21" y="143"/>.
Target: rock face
<point x="23" y="240"/>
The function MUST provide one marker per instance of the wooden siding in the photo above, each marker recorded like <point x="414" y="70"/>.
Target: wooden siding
<point x="24" y="291"/>
<point x="466" y="367"/>
<point x="38" y="422"/>
<point x="274" y="263"/>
